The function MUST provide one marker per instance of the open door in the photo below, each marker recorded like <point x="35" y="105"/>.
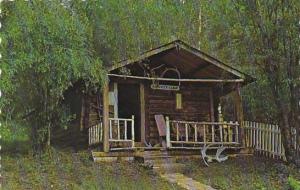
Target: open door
<point x="129" y="104"/>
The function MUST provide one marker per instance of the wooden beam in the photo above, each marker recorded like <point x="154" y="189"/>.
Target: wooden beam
<point x="82" y="112"/>
<point x="106" y="117"/>
<point x="142" y="109"/>
<point x="239" y="112"/>
<point x="211" y="102"/>
<point x="116" y="100"/>
<point x="179" y="80"/>
<point x="204" y="123"/>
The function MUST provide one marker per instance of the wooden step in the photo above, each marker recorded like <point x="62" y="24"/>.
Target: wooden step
<point x="158" y="157"/>
<point x="112" y="159"/>
<point x="113" y="154"/>
<point x="169" y="167"/>
<point x="139" y="144"/>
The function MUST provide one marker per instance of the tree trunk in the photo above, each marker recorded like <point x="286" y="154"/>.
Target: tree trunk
<point x="298" y="145"/>
<point x="295" y="122"/>
<point x="49" y="135"/>
<point x="39" y="137"/>
<point x="35" y="138"/>
<point x="272" y="71"/>
<point x="286" y="136"/>
<point x="293" y="76"/>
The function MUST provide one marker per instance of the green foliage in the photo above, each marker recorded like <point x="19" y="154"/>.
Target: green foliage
<point x="14" y="138"/>
<point x="125" y="28"/>
<point x="48" y="46"/>
<point x="253" y="36"/>
<point x="45" y="50"/>
<point x="261" y="38"/>
<point x="13" y="132"/>
<point x="294" y="184"/>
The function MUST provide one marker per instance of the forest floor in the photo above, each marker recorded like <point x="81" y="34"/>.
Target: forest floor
<point x="244" y="172"/>
<point x="69" y="170"/>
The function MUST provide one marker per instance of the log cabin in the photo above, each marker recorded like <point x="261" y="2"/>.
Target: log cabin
<point x="176" y="81"/>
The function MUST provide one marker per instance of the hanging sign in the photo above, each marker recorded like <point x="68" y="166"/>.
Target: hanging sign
<point x="162" y="85"/>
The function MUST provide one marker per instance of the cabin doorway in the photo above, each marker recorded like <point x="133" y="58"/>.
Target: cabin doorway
<point x="128" y="105"/>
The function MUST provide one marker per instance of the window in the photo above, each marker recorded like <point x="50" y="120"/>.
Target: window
<point x="178" y="101"/>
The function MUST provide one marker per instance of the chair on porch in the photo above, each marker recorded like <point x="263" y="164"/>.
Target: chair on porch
<point x="161" y="126"/>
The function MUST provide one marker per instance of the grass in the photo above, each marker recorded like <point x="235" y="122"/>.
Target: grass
<point x="69" y="170"/>
<point x="243" y="173"/>
<point x="66" y="170"/>
<point x="294" y="184"/>
<point x="14" y="138"/>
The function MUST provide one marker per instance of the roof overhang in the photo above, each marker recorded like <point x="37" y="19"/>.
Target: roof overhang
<point x="194" y="63"/>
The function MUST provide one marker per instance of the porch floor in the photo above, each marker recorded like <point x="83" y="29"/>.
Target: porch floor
<point x="144" y="154"/>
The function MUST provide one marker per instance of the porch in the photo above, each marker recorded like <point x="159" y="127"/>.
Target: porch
<point x="180" y="135"/>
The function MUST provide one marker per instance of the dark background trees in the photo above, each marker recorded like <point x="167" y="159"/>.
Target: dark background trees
<point x="262" y="38"/>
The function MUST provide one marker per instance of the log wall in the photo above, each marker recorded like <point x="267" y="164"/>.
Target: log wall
<point x="196" y="106"/>
<point x="195" y="101"/>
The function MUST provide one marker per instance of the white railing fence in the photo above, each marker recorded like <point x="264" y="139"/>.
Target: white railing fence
<point x="266" y="139"/>
<point x="187" y="134"/>
<point x="120" y="131"/>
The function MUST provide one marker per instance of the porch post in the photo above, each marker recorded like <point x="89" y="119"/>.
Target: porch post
<point x="116" y="100"/>
<point x="211" y="102"/>
<point x="143" y="116"/>
<point x="106" y="117"/>
<point x="239" y="112"/>
<point x="212" y="113"/>
<point x="132" y="131"/>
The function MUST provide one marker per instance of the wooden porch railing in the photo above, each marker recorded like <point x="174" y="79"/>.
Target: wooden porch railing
<point x="95" y="134"/>
<point x="118" y="131"/>
<point x="187" y="134"/>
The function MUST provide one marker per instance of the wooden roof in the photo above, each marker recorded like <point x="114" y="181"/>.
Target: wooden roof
<point x="191" y="62"/>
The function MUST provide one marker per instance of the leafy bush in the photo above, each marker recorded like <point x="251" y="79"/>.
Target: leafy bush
<point x="46" y="49"/>
<point x="294" y="184"/>
<point x="14" y="138"/>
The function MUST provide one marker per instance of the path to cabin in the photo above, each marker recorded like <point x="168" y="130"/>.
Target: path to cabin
<point x="168" y="169"/>
<point x="178" y="178"/>
<point x="185" y="182"/>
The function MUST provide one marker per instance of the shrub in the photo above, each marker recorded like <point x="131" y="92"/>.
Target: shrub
<point x="293" y="183"/>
